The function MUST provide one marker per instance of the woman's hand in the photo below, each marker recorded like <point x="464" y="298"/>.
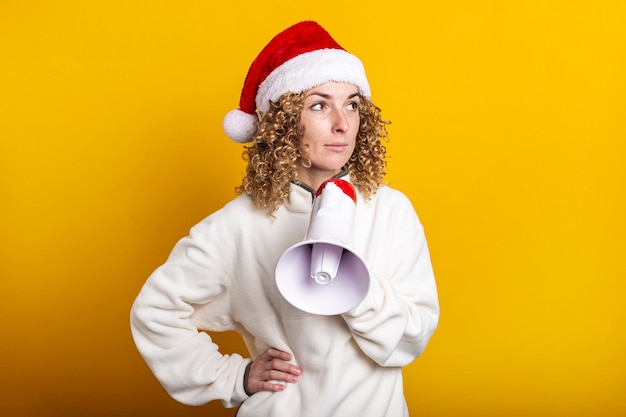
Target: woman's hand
<point x="270" y="367"/>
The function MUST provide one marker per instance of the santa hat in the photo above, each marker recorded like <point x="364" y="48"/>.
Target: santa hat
<point x="299" y="58"/>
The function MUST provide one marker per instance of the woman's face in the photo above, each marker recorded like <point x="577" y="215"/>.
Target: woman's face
<point x="330" y="118"/>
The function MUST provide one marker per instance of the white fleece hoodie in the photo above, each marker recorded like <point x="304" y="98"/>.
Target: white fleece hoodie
<point x="221" y="277"/>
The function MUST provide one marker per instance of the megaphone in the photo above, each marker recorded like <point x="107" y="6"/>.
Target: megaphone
<point x="321" y="274"/>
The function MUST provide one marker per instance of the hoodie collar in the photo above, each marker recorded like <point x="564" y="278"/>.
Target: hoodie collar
<point x="301" y="195"/>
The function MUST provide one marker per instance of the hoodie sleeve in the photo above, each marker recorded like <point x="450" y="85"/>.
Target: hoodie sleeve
<point x="397" y="318"/>
<point x="182" y="357"/>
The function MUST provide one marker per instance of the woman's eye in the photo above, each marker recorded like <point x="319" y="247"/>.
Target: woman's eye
<point x="353" y="105"/>
<point x="317" y="106"/>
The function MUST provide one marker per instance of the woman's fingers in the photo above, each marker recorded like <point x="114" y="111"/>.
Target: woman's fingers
<point x="270" y="369"/>
<point x="273" y="353"/>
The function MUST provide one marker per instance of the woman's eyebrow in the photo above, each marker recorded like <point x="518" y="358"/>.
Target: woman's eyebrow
<point x="314" y="93"/>
<point x="328" y="96"/>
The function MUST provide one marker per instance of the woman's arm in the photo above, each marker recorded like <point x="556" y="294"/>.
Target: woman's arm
<point x="401" y="311"/>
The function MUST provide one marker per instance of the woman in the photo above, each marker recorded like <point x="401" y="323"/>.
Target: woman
<point x="306" y="108"/>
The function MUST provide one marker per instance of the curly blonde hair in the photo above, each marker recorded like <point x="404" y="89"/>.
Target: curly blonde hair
<point x="274" y="156"/>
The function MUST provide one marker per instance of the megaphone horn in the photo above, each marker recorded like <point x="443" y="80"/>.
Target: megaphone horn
<point x="322" y="275"/>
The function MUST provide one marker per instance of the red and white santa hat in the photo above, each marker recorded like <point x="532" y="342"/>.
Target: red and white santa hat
<point x="299" y="58"/>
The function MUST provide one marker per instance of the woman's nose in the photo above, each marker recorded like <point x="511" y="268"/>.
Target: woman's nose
<point x="340" y="122"/>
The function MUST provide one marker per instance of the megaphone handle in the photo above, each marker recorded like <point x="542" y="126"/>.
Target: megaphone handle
<point x="325" y="259"/>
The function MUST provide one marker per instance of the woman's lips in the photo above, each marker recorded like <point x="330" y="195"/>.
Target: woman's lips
<point x="336" y="147"/>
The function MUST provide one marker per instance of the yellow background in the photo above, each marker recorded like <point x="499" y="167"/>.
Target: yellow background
<point x="508" y="135"/>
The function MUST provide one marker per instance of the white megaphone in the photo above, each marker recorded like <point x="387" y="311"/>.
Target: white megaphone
<point x="321" y="274"/>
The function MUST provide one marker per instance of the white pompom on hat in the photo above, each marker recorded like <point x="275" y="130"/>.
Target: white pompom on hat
<point x="299" y="58"/>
